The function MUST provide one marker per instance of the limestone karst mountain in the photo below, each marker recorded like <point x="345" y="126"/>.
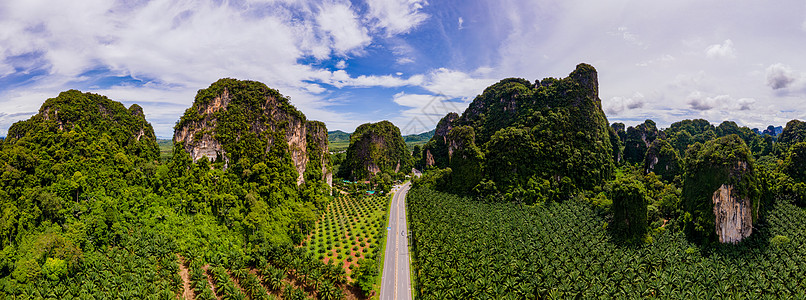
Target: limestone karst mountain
<point x="239" y="122"/>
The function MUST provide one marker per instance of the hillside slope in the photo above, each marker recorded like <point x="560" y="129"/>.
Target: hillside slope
<point x="550" y="135"/>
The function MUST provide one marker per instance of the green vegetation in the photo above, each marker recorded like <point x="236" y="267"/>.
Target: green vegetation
<point x="166" y="149"/>
<point x="348" y="234"/>
<point x="637" y="140"/>
<point x="548" y="215"/>
<point x="375" y="148"/>
<point x="470" y="249"/>
<point x="90" y="209"/>
<point x="340" y="140"/>
<point x="629" y="208"/>
<point x="551" y="138"/>
<point x="726" y="160"/>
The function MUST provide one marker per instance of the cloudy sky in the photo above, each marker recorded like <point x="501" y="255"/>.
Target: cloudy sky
<point x="409" y="61"/>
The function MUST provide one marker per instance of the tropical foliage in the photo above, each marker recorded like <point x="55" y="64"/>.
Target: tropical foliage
<point x="350" y="232"/>
<point x="552" y="135"/>
<point x="375" y="147"/>
<point x="466" y="248"/>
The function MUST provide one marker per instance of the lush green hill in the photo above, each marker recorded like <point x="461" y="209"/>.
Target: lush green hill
<point x="338" y="140"/>
<point x="90" y="211"/>
<point x="375" y="148"/>
<point x="551" y="136"/>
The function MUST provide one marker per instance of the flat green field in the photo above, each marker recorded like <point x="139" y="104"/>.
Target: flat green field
<point x="166" y="148"/>
<point x="470" y="249"/>
<point x="350" y="229"/>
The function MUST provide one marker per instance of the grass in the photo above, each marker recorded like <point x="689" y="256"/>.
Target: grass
<point x="350" y="229"/>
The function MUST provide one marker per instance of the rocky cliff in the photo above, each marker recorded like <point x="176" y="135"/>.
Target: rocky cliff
<point x="733" y="215"/>
<point x="720" y="190"/>
<point x="237" y="122"/>
<point x="638" y="139"/>
<point x="375" y="147"/>
<point x="435" y="152"/>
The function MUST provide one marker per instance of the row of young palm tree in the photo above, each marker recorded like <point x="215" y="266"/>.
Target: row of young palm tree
<point x="467" y="248"/>
<point x="141" y="266"/>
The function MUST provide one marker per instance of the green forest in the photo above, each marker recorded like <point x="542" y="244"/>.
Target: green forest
<point x="93" y="209"/>
<point x="530" y="193"/>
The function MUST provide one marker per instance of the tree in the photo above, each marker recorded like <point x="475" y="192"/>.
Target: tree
<point x="663" y="160"/>
<point x="366" y="275"/>
<point x="629" y="208"/>
<point x="54" y="268"/>
<point x="795" y="163"/>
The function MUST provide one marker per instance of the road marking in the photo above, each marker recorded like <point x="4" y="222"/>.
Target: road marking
<point x="397" y="248"/>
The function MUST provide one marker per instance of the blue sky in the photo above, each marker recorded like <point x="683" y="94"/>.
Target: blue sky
<point x="409" y="61"/>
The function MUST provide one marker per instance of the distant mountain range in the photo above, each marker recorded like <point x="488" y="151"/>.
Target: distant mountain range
<point x="771" y="130"/>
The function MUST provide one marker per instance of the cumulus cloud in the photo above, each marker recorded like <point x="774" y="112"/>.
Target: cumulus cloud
<point x="456" y="84"/>
<point x="617" y="105"/>
<point x="396" y="16"/>
<point x="340" y="79"/>
<point x="423" y="111"/>
<point x="724" y="50"/>
<point x="341" y="64"/>
<point x="343" y="25"/>
<point x="698" y="101"/>
<point x="746" y="103"/>
<point x="174" y="48"/>
<point x="780" y="76"/>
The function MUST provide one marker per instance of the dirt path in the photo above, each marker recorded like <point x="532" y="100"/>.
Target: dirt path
<point x="210" y="281"/>
<point x="235" y="282"/>
<point x="185" y="275"/>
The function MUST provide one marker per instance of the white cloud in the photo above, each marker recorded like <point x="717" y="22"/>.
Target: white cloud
<point x="698" y="101"/>
<point x="724" y="50"/>
<point x="780" y="76"/>
<point x="424" y="111"/>
<point x="617" y="105"/>
<point x="179" y="47"/>
<point x="340" y="79"/>
<point x="404" y="60"/>
<point x="456" y="84"/>
<point x="461" y="22"/>
<point x="746" y="103"/>
<point x="342" y="24"/>
<point x="341" y="64"/>
<point x="397" y="16"/>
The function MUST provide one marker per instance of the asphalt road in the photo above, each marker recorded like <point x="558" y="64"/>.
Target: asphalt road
<point x="396" y="281"/>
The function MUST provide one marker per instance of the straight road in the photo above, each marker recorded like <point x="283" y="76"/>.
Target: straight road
<point x="396" y="281"/>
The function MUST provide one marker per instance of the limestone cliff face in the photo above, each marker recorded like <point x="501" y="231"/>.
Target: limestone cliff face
<point x="734" y="219"/>
<point x="231" y="110"/>
<point x="720" y="190"/>
<point x="317" y="145"/>
<point x="198" y="135"/>
<point x="434" y="151"/>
